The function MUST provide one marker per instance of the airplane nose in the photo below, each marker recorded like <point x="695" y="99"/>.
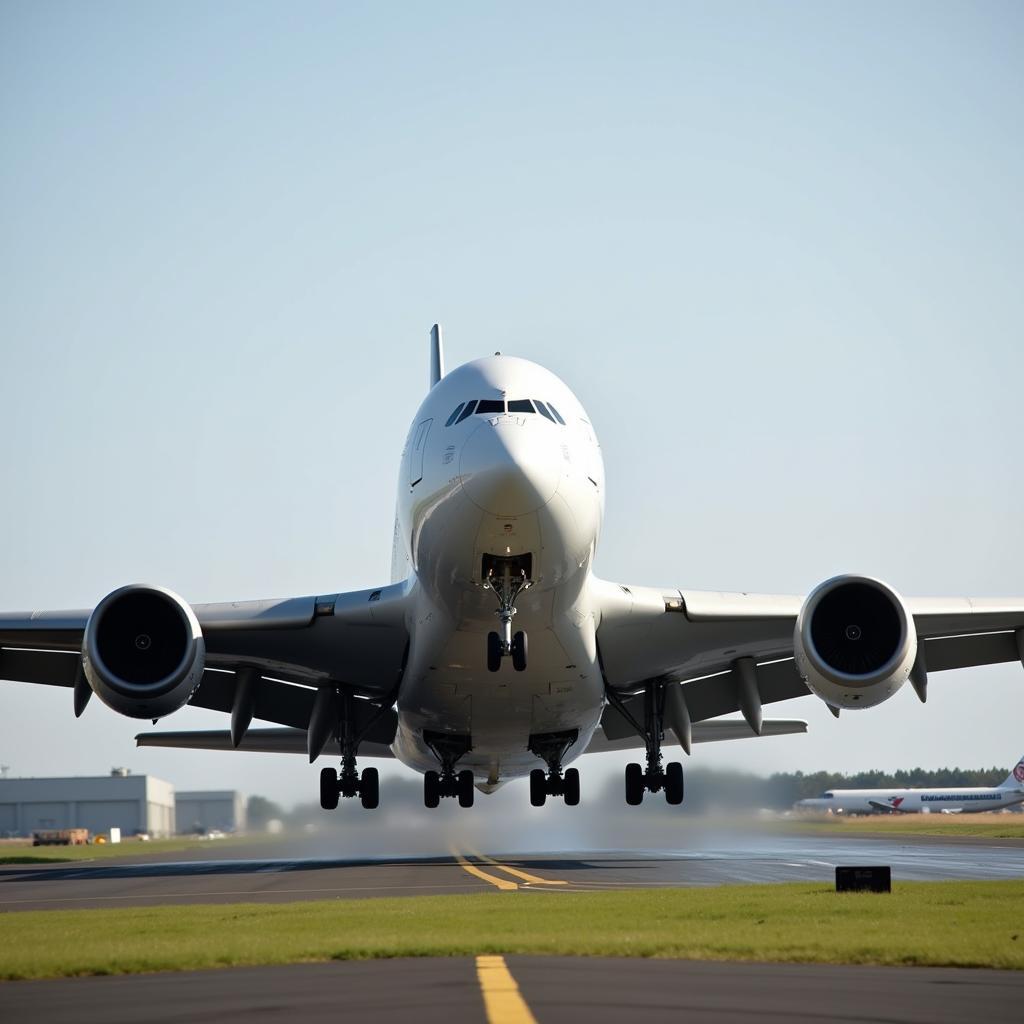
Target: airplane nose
<point x="508" y="469"/>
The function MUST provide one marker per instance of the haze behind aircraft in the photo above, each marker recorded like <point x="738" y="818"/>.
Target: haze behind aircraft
<point x="952" y="800"/>
<point x="500" y="508"/>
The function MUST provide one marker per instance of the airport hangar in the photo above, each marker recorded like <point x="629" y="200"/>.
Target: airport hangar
<point x="132" y="803"/>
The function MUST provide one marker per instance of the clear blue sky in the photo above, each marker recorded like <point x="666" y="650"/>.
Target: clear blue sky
<point x="775" y="248"/>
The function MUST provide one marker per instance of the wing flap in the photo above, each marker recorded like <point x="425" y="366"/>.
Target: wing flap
<point x="261" y="741"/>
<point x="704" y="732"/>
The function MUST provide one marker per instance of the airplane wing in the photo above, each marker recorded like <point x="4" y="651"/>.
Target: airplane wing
<point x="261" y="741"/>
<point x="696" y="637"/>
<point x="357" y="641"/>
<point x="703" y="732"/>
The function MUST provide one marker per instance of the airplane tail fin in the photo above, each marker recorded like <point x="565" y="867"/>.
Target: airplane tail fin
<point x="1015" y="780"/>
<point x="436" y="355"/>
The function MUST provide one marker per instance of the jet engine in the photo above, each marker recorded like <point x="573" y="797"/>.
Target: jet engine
<point x="143" y="652"/>
<point x="855" y="642"/>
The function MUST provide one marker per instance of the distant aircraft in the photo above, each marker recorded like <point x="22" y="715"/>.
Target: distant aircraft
<point x="500" y="506"/>
<point x="916" y="801"/>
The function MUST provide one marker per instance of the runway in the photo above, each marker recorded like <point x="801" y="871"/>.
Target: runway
<point x="239" y="874"/>
<point x="550" y="990"/>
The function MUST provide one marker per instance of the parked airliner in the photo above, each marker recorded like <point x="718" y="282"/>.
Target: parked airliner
<point x="952" y="800"/>
<point x="496" y="651"/>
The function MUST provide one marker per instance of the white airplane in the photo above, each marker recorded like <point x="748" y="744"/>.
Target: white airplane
<point x="954" y="800"/>
<point x="500" y="503"/>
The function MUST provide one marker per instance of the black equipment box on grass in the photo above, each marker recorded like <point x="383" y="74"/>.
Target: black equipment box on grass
<point x="864" y="879"/>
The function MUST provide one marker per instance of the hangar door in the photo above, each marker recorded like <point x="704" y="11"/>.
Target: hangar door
<point x="8" y="818"/>
<point x="102" y="815"/>
<point x="44" y="815"/>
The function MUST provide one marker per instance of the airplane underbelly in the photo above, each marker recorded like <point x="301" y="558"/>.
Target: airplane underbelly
<point x="560" y="690"/>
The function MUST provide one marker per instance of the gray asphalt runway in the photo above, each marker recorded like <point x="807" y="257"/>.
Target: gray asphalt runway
<point x="228" y="876"/>
<point x="556" y="990"/>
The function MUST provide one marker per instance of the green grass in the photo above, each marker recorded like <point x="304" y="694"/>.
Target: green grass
<point x="983" y="826"/>
<point x="26" y="853"/>
<point x="968" y="924"/>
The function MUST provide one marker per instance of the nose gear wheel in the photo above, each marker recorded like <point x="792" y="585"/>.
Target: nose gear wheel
<point x="506" y="586"/>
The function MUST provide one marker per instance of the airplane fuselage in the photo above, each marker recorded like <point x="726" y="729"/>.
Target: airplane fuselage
<point x="913" y="801"/>
<point x="515" y="484"/>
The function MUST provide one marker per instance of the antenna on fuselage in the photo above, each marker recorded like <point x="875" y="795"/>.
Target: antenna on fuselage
<point x="436" y="355"/>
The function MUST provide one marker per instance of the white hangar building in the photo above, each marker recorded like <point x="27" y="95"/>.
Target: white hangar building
<point x="132" y="803"/>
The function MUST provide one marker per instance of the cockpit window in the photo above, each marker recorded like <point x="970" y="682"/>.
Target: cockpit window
<point x="556" y="414"/>
<point x="543" y="410"/>
<point x="468" y="411"/>
<point x="489" y="405"/>
<point x="455" y="415"/>
<point x="520" y="405"/>
<point x="827" y="796"/>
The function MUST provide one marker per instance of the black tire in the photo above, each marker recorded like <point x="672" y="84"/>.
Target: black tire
<point x="466" y="790"/>
<point x="634" y="784"/>
<point x="431" y="789"/>
<point x="571" y="782"/>
<point x="369" y="788"/>
<point x="538" y="787"/>
<point x="493" y="652"/>
<point x="329" y="789"/>
<point x="519" y="652"/>
<point x="674" y="782"/>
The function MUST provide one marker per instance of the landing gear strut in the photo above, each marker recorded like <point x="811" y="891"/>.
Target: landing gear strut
<point x="653" y="777"/>
<point x="350" y="782"/>
<point x="507" y="585"/>
<point x="551" y="747"/>
<point x="448" y="749"/>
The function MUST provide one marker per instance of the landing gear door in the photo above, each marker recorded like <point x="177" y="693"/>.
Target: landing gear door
<point x="419" y="445"/>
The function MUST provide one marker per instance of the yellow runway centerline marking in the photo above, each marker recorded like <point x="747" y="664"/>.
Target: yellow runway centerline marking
<point x="503" y="1001"/>
<point x="516" y="872"/>
<point x="499" y="883"/>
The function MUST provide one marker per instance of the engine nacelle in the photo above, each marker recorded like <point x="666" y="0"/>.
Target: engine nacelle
<point x="855" y="642"/>
<point x="143" y="653"/>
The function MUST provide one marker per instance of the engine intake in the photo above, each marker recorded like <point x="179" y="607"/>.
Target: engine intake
<point x="854" y="642"/>
<point x="143" y="653"/>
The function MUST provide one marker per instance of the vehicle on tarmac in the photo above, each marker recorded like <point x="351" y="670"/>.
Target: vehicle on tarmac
<point x="950" y="800"/>
<point x="496" y="652"/>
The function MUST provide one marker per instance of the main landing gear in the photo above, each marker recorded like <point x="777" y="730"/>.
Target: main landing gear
<point x="507" y="585"/>
<point x="653" y="777"/>
<point x="551" y="747"/>
<point x="349" y="783"/>
<point x="448" y="749"/>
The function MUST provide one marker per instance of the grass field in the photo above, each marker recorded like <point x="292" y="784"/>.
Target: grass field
<point x="23" y="852"/>
<point x="990" y="826"/>
<point x="967" y="924"/>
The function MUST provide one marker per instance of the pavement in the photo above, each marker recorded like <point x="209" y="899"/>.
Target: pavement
<point x="513" y="989"/>
<point x="229" y="875"/>
<point x="527" y="990"/>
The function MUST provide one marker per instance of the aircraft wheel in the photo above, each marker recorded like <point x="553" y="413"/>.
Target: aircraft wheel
<point x="369" y="788"/>
<point x="634" y="784"/>
<point x="674" y="782"/>
<point x="538" y="787"/>
<point x="519" y="648"/>
<point x="493" y="652"/>
<point x="466" y="791"/>
<point x="431" y="789"/>
<point x="571" y="781"/>
<point x="329" y="789"/>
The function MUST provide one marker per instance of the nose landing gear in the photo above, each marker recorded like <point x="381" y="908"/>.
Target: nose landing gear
<point x="506" y="586"/>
